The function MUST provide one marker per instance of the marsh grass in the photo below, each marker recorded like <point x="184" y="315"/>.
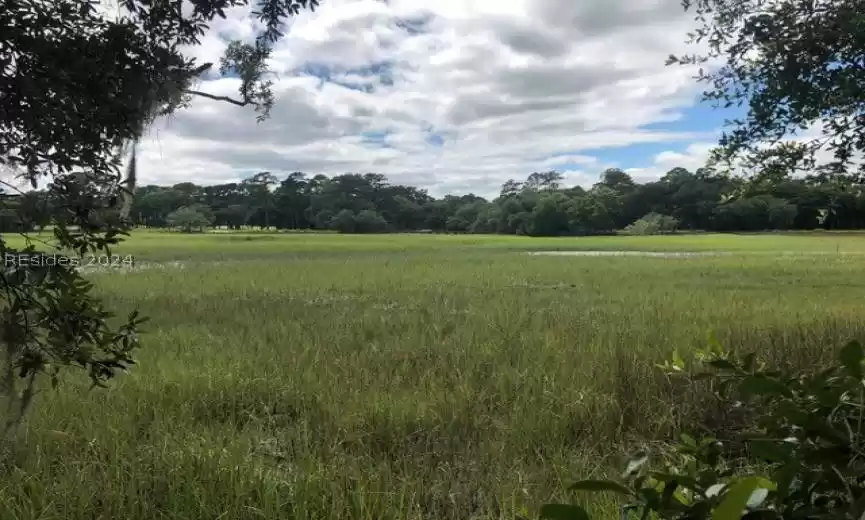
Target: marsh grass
<point x="389" y="377"/>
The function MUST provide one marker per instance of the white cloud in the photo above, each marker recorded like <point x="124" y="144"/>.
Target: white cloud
<point x="693" y="157"/>
<point x="510" y="86"/>
<point x="696" y="154"/>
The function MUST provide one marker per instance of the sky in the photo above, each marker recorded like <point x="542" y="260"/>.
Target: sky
<point x="454" y="96"/>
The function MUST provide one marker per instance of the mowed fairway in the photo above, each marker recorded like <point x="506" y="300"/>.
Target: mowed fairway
<point x="348" y="377"/>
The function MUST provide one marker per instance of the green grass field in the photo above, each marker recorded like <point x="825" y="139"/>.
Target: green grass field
<point x="410" y="376"/>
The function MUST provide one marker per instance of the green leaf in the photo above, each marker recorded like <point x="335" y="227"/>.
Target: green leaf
<point x="667" y="494"/>
<point x="714" y="344"/>
<point x="750" y="361"/>
<point x="687" y="440"/>
<point x="771" y="451"/>
<point x="857" y="509"/>
<point x="681" y="480"/>
<point x="785" y="476"/>
<point x="634" y="465"/>
<point x="678" y="362"/>
<point x="812" y="424"/>
<point x="651" y="498"/>
<point x="722" y="364"/>
<point x="762" y="386"/>
<point x="714" y="490"/>
<point x="851" y="357"/>
<point x="600" y="485"/>
<point x="737" y="498"/>
<point x="563" y="512"/>
<point x="757" y="498"/>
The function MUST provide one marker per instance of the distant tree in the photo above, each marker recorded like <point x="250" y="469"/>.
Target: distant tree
<point x="34" y="210"/>
<point x="228" y="202"/>
<point x="550" y="216"/>
<point x="188" y="218"/>
<point x="589" y="215"/>
<point x="613" y="202"/>
<point x="189" y="192"/>
<point x="259" y="192"/>
<point x="235" y="216"/>
<point x="205" y="210"/>
<point x="546" y="181"/>
<point x="344" y="221"/>
<point x="368" y="221"/>
<point x="512" y="214"/>
<point x="782" y="214"/>
<point x="323" y="219"/>
<point x="467" y="210"/>
<point x="407" y="214"/>
<point x="510" y="188"/>
<point x="291" y="199"/>
<point x="436" y="215"/>
<point x="652" y="224"/>
<point x="617" y="180"/>
<point x="10" y="215"/>
<point x="676" y="175"/>
<point x="692" y="197"/>
<point x="705" y="199"/>
<point x="488" y="220"/>
<point x="458" y="224"/>
<point x="758" y="213"/>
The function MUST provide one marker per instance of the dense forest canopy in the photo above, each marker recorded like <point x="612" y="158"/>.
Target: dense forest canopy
<point x="540" y="205"/>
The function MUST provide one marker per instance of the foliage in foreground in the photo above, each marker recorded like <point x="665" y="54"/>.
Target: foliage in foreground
<point x="795" y="65"/>
<point x="803" y="459"/>
<point x="77" y="88"/>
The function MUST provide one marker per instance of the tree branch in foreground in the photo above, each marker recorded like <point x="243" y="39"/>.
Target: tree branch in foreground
<point x="219" y="98"/>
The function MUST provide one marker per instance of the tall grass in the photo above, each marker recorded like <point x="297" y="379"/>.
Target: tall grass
<point x="329" y="377"/>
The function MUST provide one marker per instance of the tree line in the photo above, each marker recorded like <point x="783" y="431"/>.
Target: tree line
<point x="538" y="205"/>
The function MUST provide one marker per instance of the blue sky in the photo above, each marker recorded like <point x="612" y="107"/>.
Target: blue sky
<point x="701" y="118"/>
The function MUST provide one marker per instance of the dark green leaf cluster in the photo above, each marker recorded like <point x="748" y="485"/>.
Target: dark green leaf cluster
<point x="805" y="456"/>
<point x="77" y="86"/>
<point x="794" y="64"/>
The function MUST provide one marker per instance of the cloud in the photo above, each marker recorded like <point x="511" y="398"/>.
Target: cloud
<point x="696" y="154"/>
<point x="692" y="158"/>
<point x="450" y="95"/>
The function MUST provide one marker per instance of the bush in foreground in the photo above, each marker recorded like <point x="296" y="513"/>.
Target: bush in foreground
<point x="804" y="458"/>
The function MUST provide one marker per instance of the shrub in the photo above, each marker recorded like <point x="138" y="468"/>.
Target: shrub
<point x="368" y="221"/>
<point x="804" y="459"/>
<point x="653" y="224"/>
<point x="344" y="221"/>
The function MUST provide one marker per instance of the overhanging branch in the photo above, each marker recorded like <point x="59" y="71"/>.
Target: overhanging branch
<point x="219" y="98"/>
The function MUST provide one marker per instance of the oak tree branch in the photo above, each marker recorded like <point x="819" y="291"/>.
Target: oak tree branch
<point x="219" y="98"/>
